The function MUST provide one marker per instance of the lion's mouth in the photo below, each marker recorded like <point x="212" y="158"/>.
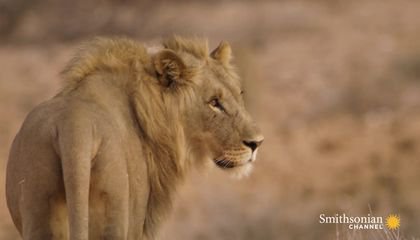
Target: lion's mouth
<point x="223" y="163"/>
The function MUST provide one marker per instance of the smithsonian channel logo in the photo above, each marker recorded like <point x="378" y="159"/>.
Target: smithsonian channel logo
<point x="392" y="221"/>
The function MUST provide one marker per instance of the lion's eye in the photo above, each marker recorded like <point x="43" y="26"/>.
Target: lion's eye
<point x="215" y="104"/>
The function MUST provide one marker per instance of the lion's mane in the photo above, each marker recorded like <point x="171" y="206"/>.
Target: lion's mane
<point x="157" y="114"/>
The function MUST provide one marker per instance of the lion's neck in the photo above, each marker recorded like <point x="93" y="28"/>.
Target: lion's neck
<point x="165" y="148"/>
<point x="164" y="177"/>
<point x="166" y="170"/>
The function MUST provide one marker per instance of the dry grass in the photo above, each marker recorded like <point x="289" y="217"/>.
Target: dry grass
<point x="335" y="86"/>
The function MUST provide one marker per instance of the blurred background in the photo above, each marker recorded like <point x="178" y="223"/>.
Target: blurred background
<point x="334" y="85"/>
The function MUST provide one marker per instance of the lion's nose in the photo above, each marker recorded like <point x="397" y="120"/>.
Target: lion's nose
<point x="254" y="144"/>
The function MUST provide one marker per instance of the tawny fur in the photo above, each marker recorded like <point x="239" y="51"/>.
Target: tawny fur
<point x="123" y="107"/>
<point x="165" y="139"/>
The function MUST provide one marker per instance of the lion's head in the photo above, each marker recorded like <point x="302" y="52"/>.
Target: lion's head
<point x="186" y="99"/>
<point x="218" y="127"/>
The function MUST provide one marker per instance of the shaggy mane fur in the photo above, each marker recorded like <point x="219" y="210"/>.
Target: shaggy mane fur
<point x="159" y="116"/>
<point x="195" y="46"/>
<point x="103" y="54"/>
<point x="123" y="55"/>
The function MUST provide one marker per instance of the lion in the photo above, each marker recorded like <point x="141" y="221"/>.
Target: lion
<point x="102" y="159"/>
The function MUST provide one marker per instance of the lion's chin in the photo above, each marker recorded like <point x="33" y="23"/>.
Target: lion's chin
<point x="236" y="170"/>
<point x="225" y="164"/>
<point x="241" y="171"/>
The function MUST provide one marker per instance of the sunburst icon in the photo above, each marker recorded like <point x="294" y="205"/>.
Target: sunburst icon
<point x="393" y="222"/>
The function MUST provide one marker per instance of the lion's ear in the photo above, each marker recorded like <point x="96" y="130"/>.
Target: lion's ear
<point x="170" y="68"/>
<point x="222" y="53"/>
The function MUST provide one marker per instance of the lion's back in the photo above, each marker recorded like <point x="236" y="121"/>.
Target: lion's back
<point x="34" y="159"/>
<point x="38" y="137"/>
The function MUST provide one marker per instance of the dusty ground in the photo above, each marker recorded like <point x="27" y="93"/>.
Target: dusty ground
<point x="335" y="87"/>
